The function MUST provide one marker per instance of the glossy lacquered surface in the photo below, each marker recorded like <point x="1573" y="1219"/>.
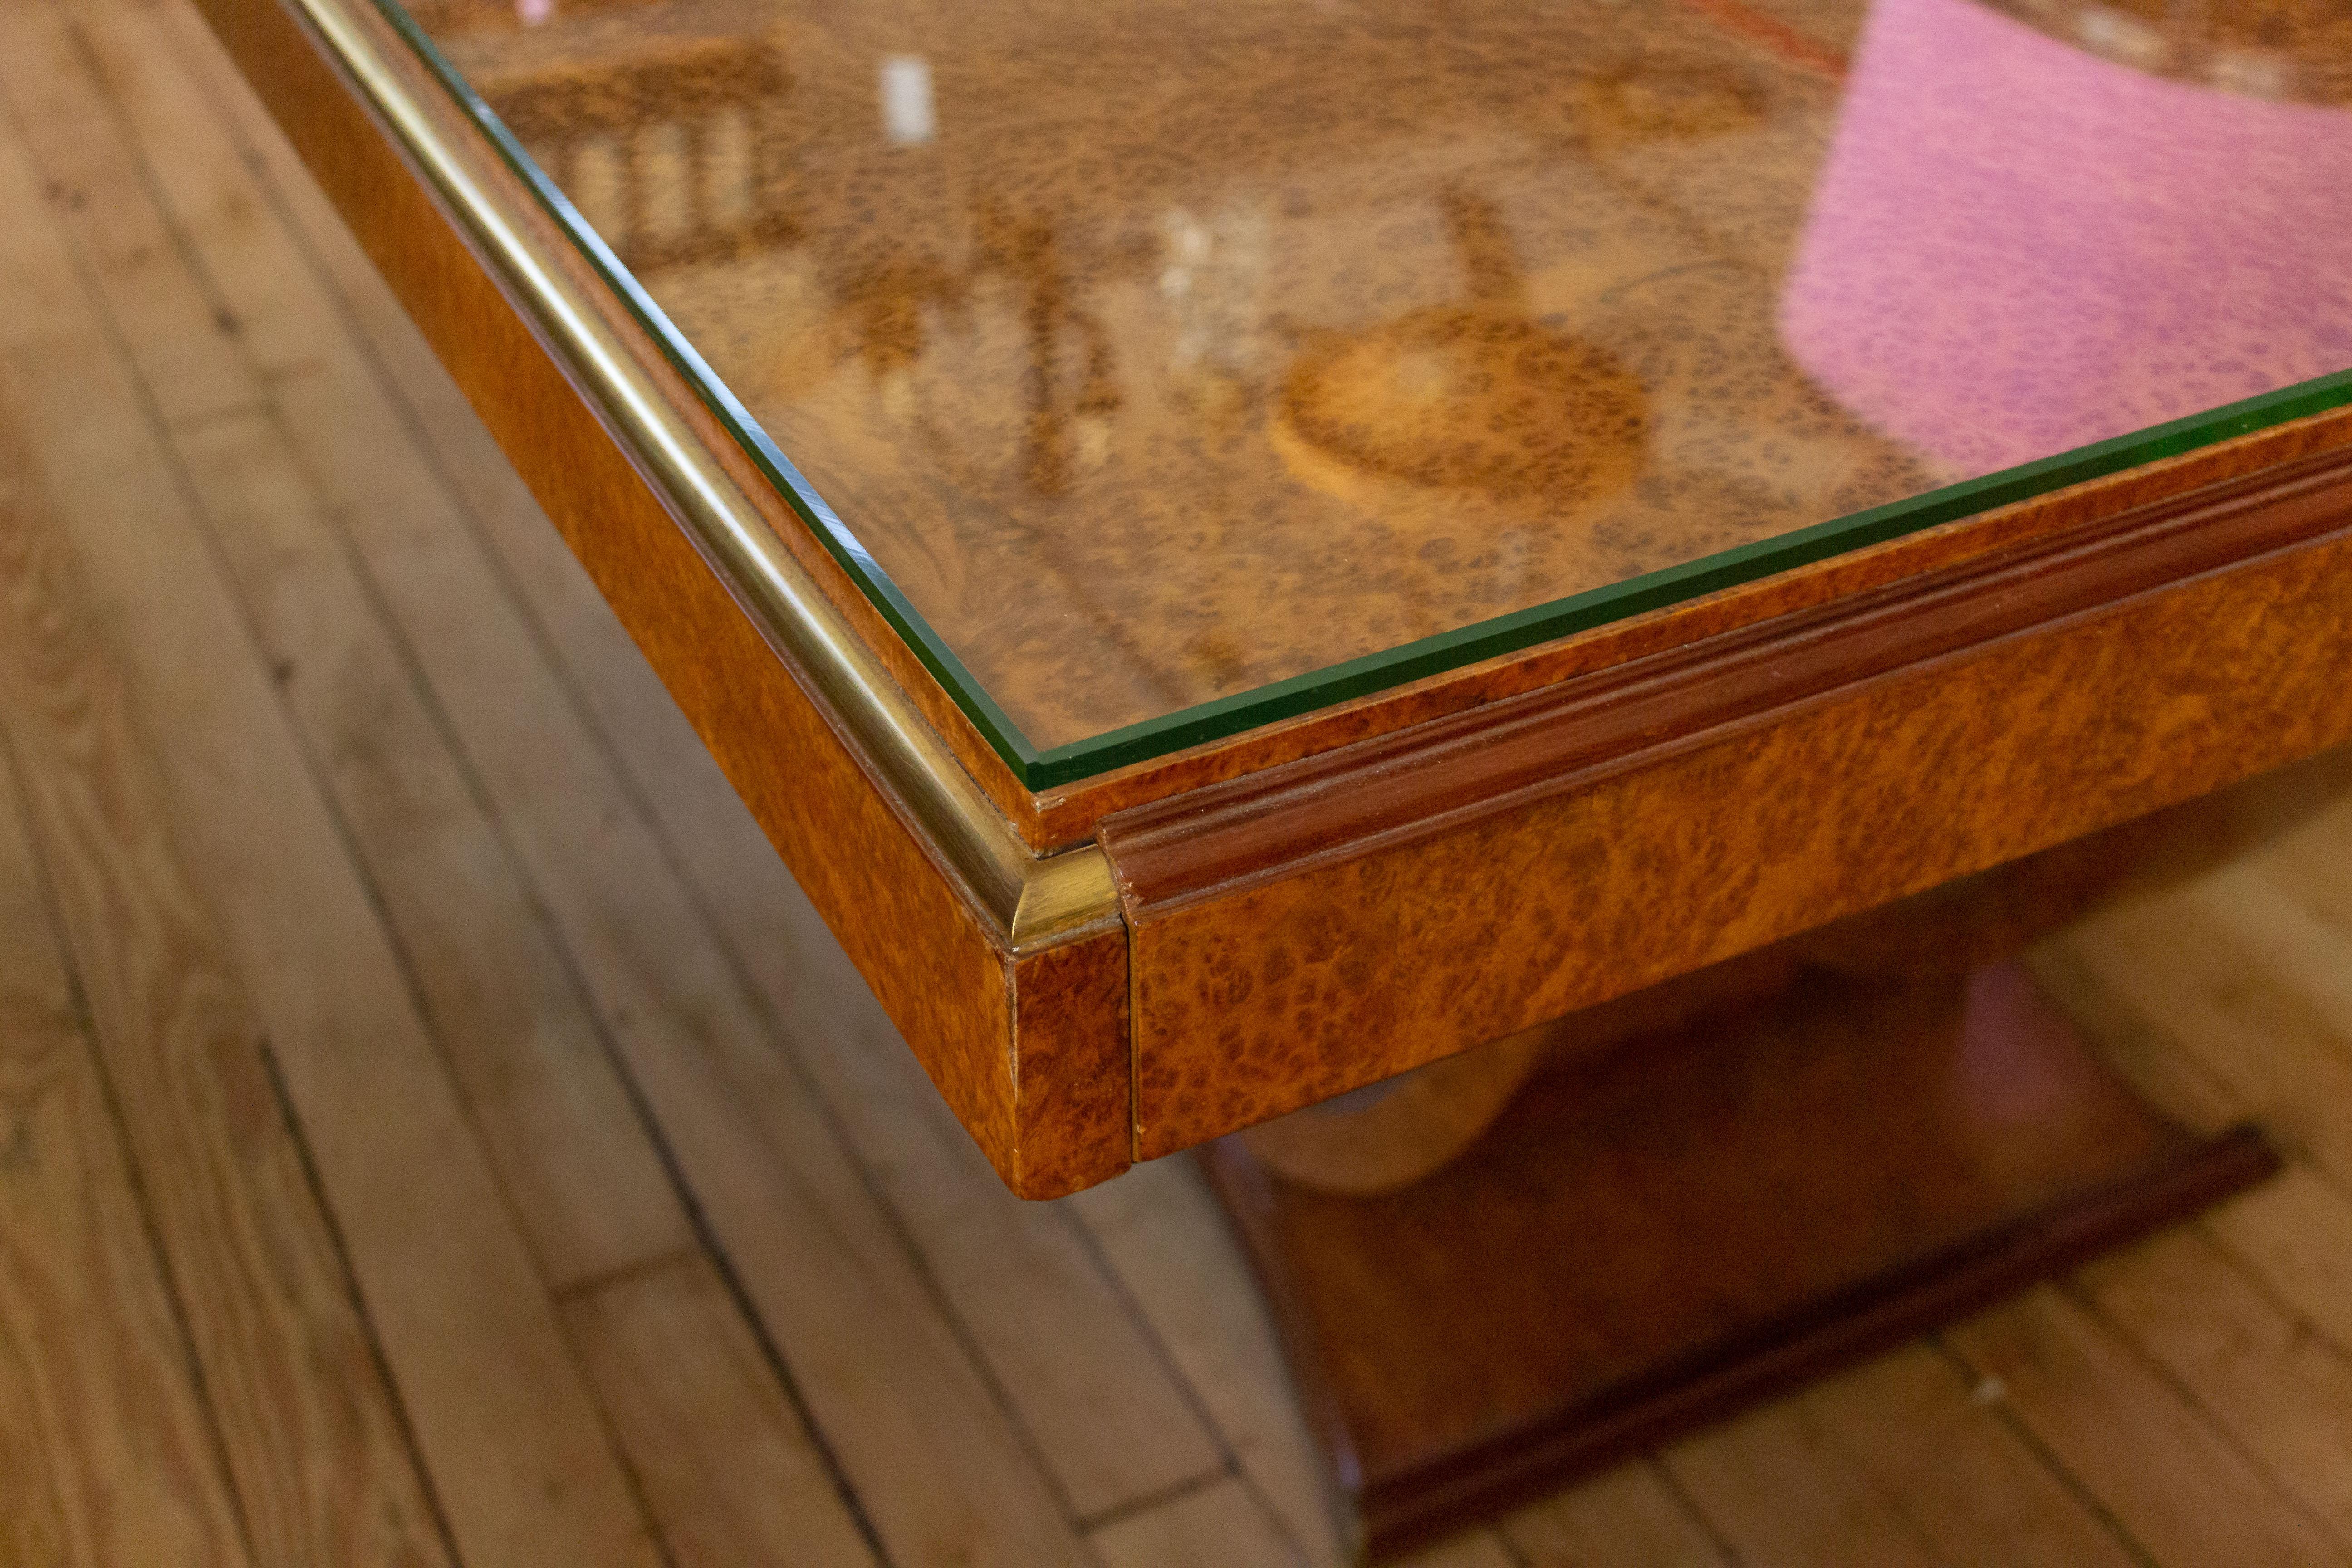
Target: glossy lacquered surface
<point x="1150" y="354"/>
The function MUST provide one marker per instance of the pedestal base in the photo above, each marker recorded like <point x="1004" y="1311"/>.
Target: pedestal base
<point x="1649" y="1242"/>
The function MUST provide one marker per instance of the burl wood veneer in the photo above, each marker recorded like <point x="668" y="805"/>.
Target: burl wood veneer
<point x="1066" y="347"/>
<point x="1707" y="1190"/>
<point x="1065" y="813"/>
<point x="1323" y="925"/>
<point x="1030" y="1050"/>
<point x="1158" y="353"/>
<point x="993" y="339"/>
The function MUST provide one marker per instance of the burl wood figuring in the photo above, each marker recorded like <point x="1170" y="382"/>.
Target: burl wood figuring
<point x="1320" y="926"/>
<point x="1716" y="1188"/>
<point x="1163" y="353"/>
<point x="1646" y="857"/>
<point x="1515" y="841"/>
<point x="1028" y="1048"/>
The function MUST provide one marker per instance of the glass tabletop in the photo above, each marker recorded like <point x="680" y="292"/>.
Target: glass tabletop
<point x="1164" y="369"/>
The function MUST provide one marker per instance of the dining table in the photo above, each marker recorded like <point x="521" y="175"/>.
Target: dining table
<point x="1502" y="619"/>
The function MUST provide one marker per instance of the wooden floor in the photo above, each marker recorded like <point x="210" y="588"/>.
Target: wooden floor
<point x="434" y="1130"/>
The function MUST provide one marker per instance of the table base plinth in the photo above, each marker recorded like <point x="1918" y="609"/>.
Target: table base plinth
<point x="1653" y="1240"/>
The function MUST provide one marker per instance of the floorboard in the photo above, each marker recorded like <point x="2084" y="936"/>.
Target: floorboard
<point x="1634" y="1517"/>
<point x="731" y="1471"/>
<point x="202" y="812"/>
<point x="2278" y="1391"/>
<point x="1781" y="1489"/>
<point x="2134" y="1440"/>
<point x="107" y="1452"/>
<point x="1936" y="1442"/>
<point x="504" y="1167"/>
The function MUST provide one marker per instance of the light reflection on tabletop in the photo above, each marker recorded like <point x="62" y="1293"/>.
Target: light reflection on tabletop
<point x="1158" y="351"/>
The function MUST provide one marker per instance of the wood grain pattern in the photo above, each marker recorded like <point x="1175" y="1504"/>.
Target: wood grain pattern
<point x="1071" y="811"/>
<point x="2175" y="1483"/>
<point x="1645" y="825"/>
<point x="1091" y="1397"/>
<point x="313" y="1439"/>
<point x="568" y="1147"/>
<point x="730" y="1474"/>
<point x="2282" y="1394"/>
<point x="1102" y="1415"/>
<point x="2296" y="1236"/>
<point x="1914" y="1426"/>
<point x="701" y="950"/>
<point x="1159" y="1231"/>
<point x="613" y="814"/>
<point x="107" y="1450"/>
<point x="585" y="1177"/>
<point x="908" y="1415"/>
<point x="933" y="960"/>
<point x="229" y="791"/>
<point x="1177" y="1286"/>
<point x="1786" y="1495"/>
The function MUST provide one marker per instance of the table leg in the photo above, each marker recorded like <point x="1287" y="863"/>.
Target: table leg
<point x="1649" y="1239"/>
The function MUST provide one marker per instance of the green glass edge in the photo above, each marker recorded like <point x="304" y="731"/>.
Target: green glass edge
<point x="1304" y="693"/>
<point x="1672" y="585"/>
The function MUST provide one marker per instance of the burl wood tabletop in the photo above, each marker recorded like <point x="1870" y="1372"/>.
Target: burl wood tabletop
<point x="1158" y="353"/>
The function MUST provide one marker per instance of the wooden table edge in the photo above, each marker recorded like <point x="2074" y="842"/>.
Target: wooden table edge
<point x="1549" y="852"/>
<point x="1027" y="983"/>
<point x="1004" y="969"/>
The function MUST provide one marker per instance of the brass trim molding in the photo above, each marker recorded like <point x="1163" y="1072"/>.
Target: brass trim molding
<point x="1036" y="901"/>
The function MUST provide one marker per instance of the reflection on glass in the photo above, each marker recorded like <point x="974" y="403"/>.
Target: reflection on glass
<point x="1474" y="394"/>
<point x="909" y="117"/>
<point x="1158" y="353"/>
<point x="2019" y="246"/>
<point x="671" y="147"/>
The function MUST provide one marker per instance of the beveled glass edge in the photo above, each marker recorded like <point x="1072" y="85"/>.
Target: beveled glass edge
<point x="1296" y="695"/>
